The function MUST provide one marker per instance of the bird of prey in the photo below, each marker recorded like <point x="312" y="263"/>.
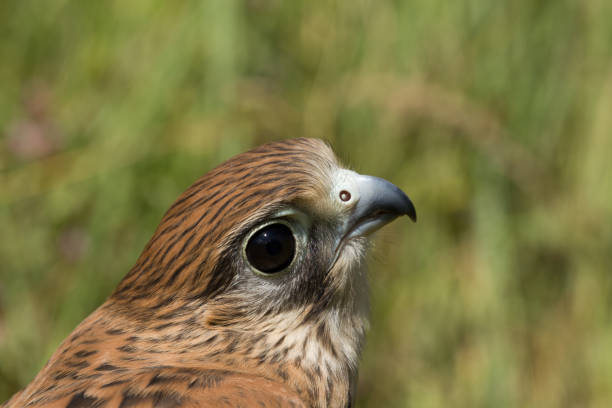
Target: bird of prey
<point x="251" y="293"/>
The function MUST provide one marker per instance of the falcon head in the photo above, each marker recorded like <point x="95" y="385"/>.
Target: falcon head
<point x="283" y="227"/>
<point x="252" y="291"/>
<point x="262" y="260"/>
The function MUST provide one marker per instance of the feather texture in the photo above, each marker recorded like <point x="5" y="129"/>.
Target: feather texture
<point x="191" y="325"/>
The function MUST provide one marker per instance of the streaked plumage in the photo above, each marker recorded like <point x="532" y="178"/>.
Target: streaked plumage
<point x="195" y="323"/>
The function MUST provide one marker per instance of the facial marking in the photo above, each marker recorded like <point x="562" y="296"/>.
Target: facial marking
<point x="344" y="191"/>
<point x="201" y="306"/>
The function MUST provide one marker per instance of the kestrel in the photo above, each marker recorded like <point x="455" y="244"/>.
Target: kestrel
<point x="251" y="293"/>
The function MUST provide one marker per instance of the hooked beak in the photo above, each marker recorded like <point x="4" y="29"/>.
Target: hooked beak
<point x="380" y="202"/>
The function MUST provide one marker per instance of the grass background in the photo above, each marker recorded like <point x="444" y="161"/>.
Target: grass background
<point x="495" y="117"/>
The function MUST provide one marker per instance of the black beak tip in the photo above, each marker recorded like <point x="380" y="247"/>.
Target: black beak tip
<point x="406" y="206"/>
<point x="411" y="211"/>
<point x="400" y="202"/>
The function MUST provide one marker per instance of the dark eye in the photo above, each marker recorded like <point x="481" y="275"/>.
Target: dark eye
<point x="271" y="249"/>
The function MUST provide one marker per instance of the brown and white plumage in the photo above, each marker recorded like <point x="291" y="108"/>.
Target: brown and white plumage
<point x="196" y="323"/>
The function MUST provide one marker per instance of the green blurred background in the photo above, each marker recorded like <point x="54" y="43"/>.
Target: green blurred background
<point x="495" y="117"/>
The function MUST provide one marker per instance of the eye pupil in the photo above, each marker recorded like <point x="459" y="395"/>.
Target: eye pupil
<point x="274" y="247"/>
<point x="271" y="249"/>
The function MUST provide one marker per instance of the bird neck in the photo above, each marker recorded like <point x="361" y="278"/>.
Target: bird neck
<point x="316" y="356"/>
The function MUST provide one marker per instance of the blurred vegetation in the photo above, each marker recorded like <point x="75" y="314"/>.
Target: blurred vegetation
<point x="495" y="117"/>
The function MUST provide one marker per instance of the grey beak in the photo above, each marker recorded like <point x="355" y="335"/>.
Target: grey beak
<point x="380" y="202"/>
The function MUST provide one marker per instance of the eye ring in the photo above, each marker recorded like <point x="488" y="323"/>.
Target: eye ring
<point x="345" y="195"/>
<point x="275" y="267"/>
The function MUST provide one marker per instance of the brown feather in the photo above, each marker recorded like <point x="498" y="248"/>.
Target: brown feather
<point x="177" y="332"/>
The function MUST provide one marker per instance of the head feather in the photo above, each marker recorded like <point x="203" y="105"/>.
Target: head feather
<point x="182" y="258"/>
